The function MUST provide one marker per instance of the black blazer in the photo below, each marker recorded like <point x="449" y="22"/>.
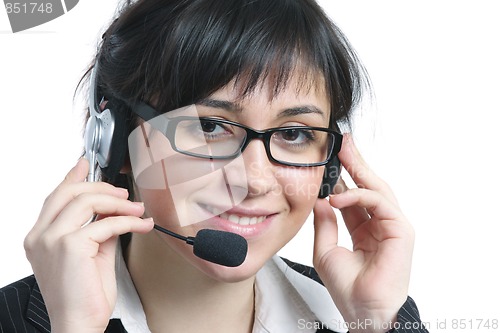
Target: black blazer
<point x="22" y="309"/>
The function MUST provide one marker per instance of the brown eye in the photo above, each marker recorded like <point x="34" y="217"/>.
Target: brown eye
<point x="290" y="135"/>
<point x="208" y="126"/>
<point x="294" y="136"/>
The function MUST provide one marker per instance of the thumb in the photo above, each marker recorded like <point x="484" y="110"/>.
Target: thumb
<point x="325" y="230"/>
<point x="78" y="173"/>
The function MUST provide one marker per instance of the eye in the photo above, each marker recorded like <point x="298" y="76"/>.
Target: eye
<point x="202" y="129"/>
<point x="295" y="136"/>
<point x="291" y="135"/>
<point x="214" y="130"/>
<point x="211" y="127"/>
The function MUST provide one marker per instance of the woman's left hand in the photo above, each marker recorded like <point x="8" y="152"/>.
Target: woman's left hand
<point x="370" y="283"/>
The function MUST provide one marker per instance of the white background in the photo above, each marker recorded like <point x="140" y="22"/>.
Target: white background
<point x="432" y="133"/>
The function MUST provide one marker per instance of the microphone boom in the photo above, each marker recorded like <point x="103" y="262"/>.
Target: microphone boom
<point x="220" y="247"/>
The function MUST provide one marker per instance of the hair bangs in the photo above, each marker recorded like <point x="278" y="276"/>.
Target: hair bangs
<point x="177" y="52"/>
<point x="239" y="44"/>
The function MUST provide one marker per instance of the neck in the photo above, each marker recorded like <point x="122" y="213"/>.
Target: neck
<point x="178" y="297"/>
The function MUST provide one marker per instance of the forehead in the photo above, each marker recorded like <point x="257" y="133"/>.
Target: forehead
<point x="299" y="100"/>
<point x="303" y="83"/>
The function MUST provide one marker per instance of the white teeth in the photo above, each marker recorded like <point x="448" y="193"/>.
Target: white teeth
<point x="242" y="220"/>
<point x="234" y="218"/>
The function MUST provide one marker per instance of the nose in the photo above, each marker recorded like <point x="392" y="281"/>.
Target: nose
<point x="260" y="172"/>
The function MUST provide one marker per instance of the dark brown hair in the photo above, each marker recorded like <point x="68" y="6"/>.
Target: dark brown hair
<point x="176" y="52"/>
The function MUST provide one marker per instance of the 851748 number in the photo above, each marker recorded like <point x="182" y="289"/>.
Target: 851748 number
<point x="28" y="8"/>
<point x="474" y="324"/>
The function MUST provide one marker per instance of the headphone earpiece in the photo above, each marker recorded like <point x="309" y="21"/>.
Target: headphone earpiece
<point x="105" y="137"/>
<point x="98" y="137"/>
<point x="330" y="177"/>
<point x="106" y="142"/>
<point x="118" y="144"/>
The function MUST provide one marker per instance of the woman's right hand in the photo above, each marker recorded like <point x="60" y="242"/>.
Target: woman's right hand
<point x="74" y="265"/>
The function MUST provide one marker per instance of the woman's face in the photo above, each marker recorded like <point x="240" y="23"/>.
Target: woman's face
<point x="264" y="202"/>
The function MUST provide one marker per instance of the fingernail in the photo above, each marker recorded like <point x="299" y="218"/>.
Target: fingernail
<point x="139" y="203"/>
<point x="121" y="192"/>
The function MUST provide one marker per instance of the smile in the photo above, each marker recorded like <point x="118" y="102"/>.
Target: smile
<point x="238" y="219"/>
<point x="242" y="220"/>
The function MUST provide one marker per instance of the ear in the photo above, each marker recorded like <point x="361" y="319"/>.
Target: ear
<point x="126" y="167"/>
<point x="102" y="105"/>
<point x="119" y="143"/>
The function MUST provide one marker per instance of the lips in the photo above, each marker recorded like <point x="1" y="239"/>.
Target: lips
<point x="242" y="220"/>
<point x="241" y="217"/>
<point x="250" y="223"/>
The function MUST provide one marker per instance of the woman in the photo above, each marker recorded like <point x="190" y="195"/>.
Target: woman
<point x="225" y="117"/>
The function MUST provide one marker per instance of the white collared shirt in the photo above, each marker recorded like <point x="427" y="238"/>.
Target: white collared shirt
<point x="285" y="301"/>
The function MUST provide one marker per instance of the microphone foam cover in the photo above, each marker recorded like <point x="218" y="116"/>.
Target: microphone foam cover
<point x="220" y="247"/>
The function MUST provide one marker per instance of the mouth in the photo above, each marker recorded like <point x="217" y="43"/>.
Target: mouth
<point x="240" y="218"/>
<point x="250" y="223"/>
<point x="243" y="220"/>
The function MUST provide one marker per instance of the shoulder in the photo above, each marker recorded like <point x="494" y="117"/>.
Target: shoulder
<point x="22" y="308"/>
<point x="22" y="286"/>
<point x="408" y="318"/>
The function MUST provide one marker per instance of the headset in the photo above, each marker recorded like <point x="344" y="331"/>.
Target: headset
<point x="105" y="138"/>
<point x="106" y="145"/>
<point x="330" y="177"/>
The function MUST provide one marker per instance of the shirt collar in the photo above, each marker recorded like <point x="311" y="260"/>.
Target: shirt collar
<point x="128" y="307"/>
<point x="285" y="301"/>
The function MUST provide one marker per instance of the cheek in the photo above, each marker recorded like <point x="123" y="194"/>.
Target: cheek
<point x="300" y="187"/>
<point x="159" y="205"/>
<point x="173" y="186"/>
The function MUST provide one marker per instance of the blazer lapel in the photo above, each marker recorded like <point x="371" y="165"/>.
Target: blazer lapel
<point x="38" y="316"/>
<point x="36" y="312"/>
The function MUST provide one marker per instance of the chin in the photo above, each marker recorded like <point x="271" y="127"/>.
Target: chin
<point x="247" y="270"/>
<point x="261" y="247"/>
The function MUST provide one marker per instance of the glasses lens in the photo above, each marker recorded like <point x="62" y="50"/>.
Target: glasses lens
<point x="208" y="138"/>
<point x="158" y="166"/>
<point x="301" y="145"/>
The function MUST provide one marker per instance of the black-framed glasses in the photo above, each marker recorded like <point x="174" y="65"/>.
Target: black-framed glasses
<point x="214" y="138"/>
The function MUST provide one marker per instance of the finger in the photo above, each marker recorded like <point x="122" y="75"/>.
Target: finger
<point x="375" y="203"/>
<point x="340" y="186"/>
<point x="353" y="215"/>
<point x="94" y="238"/>
<point x="66" y="193"/>
<point x="82" y="208"/>
<point x="105" y="229"/>
<point x="360" y="172"/>
<point x="386" y="221"/>
<point x="71" y="187"/>
<point x="325" y="229"/>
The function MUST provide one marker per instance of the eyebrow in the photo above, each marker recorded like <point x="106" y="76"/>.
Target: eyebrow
<point x="234" y="107"/>
<point x="301" y="110"/>
<point x="220" y="104"/>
